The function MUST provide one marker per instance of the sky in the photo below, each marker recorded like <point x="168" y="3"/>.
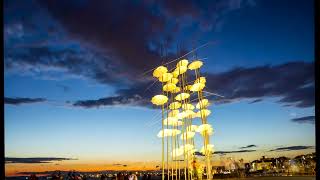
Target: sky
<point x="75" y="84"/>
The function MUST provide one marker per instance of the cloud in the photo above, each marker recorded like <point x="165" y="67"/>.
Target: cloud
<point x="111" y="101"/>
<point x="35" y="159"/>
<point x="229" y="152"/>
<point x="248" y="146"/>
<point x="111" y="47"/>
<point x="306" y="119"/>
<point x="18" y="101"/>
<point x="226" y="152"/>
<point x="255" y="101"/>
<point x="242" y="83"/>
<point x="288" y="82"/>
<point x="292" y="148"/>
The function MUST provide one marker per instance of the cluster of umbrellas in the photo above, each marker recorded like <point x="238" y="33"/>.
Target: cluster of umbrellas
<point x="179" y="112"/>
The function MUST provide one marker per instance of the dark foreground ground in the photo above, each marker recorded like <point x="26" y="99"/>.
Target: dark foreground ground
<point x="278" y="178"/>
<point x="248" y="178"/>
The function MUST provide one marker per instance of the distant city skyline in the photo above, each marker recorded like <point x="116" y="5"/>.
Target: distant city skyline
<point x="75" y="84"/>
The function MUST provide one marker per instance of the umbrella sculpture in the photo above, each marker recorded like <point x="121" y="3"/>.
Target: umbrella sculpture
<point x="178" y="114"/>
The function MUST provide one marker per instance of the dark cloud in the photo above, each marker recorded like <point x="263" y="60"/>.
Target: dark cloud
<point x="111" y="101"/>
<point x="239" y="83"/>
<point x="139" y="95"/>
<point x="229" y="152"/>
<point x="292" y="148"/>
<point x="249" y="146"/>
<point x="18" y="101"/>
<point x="124" y="165"/>
<point x="226" y="152"/>
<point x="112" y="47"/>
<point x="255" y="101"/>
<point x="207" y="15"/>
<point x="108" y="45"/>
<point x="197" y="153"/>
<point x="34" y="160"/>
<point x="292" y="82"/>
<point x="306" y="119"/>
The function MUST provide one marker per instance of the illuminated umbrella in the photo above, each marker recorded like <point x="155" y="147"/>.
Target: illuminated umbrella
<point x="173" y="113"/>
<point x="195" y="65"/>
<point x="181" y="70"/>
<point x="188" y="149"/>
<point x="187" y="106"/>
<point x="172" y="121"/>
<point x="189" y="114"/>
<point x="203" y="113"/>
<point x="177" y="152"/>
<point x="192" y="128"/>
<point x="205" y="129"/>
<point x="181" y="115"/>
<point x="197" y="87"/>
<point x="182" y="96"/>
<point x="159" y="99"/>
<point x="204" y="103"/>
<point x="201" y="80"/>
<point x="168" y="132"/>
<point x="174" y="80"/>
<point x="159" y="71"/>
<point x="183" y="62"/>
<point x="176" y="90"/>
<point x="175" y="105"/>
<point x="209" y="149"/>
<point x="169" y="87"/>
<point x="165" y="77"/>
<point x="175" y="73"/>
<point x="187" y="135"/>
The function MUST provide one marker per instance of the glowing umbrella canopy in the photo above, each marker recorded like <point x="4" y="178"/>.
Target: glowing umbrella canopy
<point x="181" y="115"/>
<point x="187" y="106"/>
<point x="183" y="62"/>
<point x="204" y="103"/>
<point x="182" y="96"/>
<point x="208" y="149"/>
<point x="203" y="113"/>
<point x="159" y="71"/>
<point x="205" y="129"/>
<point x="187" y="135"/>
<point x="195" y="65"/>
<point x="189" y="114"/>
<point x="181" y="70"/>
<point x="159" y="99"/>
<point x="174" y="80"/>
<point x="175" y="105"/>
<point x="192" y="128"/>
<point x="176" y="90"/>
<point x="177" y="152"/>
<point x="172" y="121"/>
<point x="197" y="87"/>
<point x="188" y="149"/>
<point x="173" y="113"/>
<point x="169" y="87"/>
<point x="187" y="88"/>
<point x="201" y="80"/>
<point x="165" y="77"/>
<point x="175" y="73"/>
<point x="168" y="132"/>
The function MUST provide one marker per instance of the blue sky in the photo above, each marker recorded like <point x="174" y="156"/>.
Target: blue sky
<point x="63" y="54"/>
